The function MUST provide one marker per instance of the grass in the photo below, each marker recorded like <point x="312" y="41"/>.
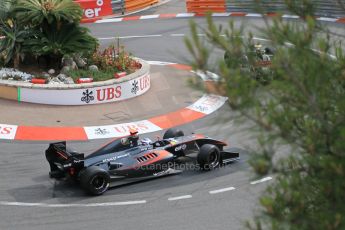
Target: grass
<point x="101" y="75"/>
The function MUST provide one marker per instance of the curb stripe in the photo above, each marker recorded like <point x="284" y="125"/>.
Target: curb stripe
<point x="32" y="133"/>
<point x="189" y="15"/>
<point x="177" y="118"/>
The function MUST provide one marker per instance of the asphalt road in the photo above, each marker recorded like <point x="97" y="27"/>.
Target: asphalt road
<point x="221" y="199"/>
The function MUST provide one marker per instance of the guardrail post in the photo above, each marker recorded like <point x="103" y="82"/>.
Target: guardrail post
<point x="122" y="7"/>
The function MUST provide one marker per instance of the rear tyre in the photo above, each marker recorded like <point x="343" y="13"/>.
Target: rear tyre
<point x="208" y="157"/>
<point x="95" y="180"/>
<point x="171" y="133"/>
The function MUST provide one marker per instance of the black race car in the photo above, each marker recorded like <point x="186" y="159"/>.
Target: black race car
<point x="129" y="159"/>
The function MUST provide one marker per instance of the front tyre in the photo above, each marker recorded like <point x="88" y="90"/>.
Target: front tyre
<point x="95" y="180"/>
<point x="208" y="157"/>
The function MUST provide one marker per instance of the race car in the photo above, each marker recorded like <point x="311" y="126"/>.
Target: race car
<point x="130" y="159"/>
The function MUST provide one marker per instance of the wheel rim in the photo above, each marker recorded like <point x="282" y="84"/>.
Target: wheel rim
<point x="214" y="159"/>
<point x="99" y="183"/>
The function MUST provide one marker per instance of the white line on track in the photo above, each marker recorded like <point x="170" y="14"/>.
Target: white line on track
<point x="261" y="180"/>
<point x="45" y="205"/>
<point x="289" y="16"/>
<point x="134" y="36"/>
<point x="261" y="39"/>
<point x="160" y="63"/>
<point x="177" y="35"/>
<point x="180" y="197"/>
<point x="221" y="190"/>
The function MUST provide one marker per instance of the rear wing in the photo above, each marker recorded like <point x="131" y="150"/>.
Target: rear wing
<point x="63" y="160"/>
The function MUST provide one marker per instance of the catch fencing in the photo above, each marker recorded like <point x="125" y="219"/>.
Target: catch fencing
<point x="323" y="8"/>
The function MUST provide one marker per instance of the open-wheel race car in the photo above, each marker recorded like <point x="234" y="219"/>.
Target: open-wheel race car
<point x="131" y="159"/>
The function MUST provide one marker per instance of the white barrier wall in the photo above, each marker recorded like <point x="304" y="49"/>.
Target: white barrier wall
<point x="96" y="95"/>
<point x="113" y="90"/>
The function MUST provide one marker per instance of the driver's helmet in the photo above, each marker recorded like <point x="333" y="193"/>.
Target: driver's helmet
<point x="258" y="49"/>
<point x="133" y="133"/>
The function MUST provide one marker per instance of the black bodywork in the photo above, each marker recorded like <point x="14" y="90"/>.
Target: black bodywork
<point x="117" y="164"/>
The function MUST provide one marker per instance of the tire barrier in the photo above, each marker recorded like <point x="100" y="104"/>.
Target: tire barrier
<point x="204" y="6"/>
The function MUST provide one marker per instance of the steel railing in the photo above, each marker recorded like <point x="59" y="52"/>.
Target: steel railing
<point x="324" y="8"/>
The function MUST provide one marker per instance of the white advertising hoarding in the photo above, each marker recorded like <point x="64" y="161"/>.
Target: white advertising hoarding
<point x="85" y="96"/>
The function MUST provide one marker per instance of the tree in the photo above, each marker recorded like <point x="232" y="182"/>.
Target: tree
<point x="12" y="45"/>
<point x="303" y="106"/>
<point x="47" y="12"/>
<point x="51" y="28"/>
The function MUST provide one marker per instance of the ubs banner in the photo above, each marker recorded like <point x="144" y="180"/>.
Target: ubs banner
<point x="95" y="8"/>
<point x="85" y="96"/>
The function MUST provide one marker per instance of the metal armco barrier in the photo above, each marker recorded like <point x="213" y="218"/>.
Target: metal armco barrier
<point x="134" y="5"/>
<point x="324" y="8"/>
<point x="204" y="6"/>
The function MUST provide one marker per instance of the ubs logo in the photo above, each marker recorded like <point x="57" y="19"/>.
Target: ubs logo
<point x="87" y="96"/>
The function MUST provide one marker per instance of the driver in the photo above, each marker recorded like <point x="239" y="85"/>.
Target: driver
<point x="132" y="139"/>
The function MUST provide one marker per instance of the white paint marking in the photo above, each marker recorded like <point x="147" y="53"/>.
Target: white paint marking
<point x="180" y="197"/>
<point x="221" y="14"/>
<point x="160" y="63"/>
<point x="109" y="20"/>
<point x="149" y="16"/>
<point x="261" y="39"/>
<point x="45" y="205"/>
<point x="254" y="15"/>
<point x="221" y="190"/>
<point x="177" y="35"/>
<point x="289" y="16"/>
<point x="261" y="180"/>
<point x="185" y="15"/>
<point x="327" y="19"/>
<point x="134" y="36"/>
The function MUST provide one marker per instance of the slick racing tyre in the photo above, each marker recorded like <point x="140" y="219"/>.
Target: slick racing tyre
<point x="171" y="133"/>
<point x="95" y="180"/>
<point x="208" y="157"/>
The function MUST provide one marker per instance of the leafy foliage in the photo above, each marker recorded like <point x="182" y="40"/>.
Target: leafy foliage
<point x="302" y="106"/>
<point x="69" y="39"/>
<point x="5" y="9"/>
<point x="109" y="61"/>
<point x="36" y="12"/>
<point x="115" y="59"/>
<point x="51" y="28"/>
<point x="13" y="42"/>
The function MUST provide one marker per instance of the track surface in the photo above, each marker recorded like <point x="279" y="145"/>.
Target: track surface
<point x="177" y="202"/>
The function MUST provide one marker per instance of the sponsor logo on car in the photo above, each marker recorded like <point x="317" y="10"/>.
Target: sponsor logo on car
<point x="180" y="147"/>
<point x="115" y="158"/>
